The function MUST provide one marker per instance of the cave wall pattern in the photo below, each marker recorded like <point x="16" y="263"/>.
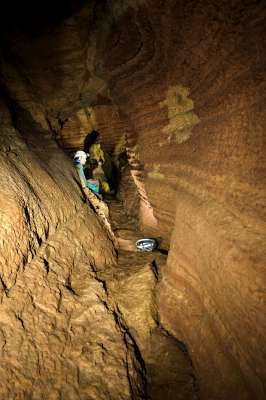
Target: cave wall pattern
<point x="186" y="82"/>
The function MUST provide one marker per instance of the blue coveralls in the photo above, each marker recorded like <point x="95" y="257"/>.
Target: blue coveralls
<point x="92" y="186"/>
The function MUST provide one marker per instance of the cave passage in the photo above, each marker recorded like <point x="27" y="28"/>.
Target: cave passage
<point x="177" y="92"/>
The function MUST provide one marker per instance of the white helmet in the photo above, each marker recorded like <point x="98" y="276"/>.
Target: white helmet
<point x="81" y="156"/>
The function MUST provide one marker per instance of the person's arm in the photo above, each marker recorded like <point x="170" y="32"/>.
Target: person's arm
<point x="82" y="176"/>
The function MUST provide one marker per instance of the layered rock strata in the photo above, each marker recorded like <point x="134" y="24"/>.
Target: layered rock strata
<point x="188" y="81"/>
<point x="196" y="111"/>
<point x="74" y="322"/>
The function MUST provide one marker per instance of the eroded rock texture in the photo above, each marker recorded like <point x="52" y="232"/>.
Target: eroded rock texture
<point x="59" y="338"/>
<point x="185" y="83"/>
<point x="197" y="113"/>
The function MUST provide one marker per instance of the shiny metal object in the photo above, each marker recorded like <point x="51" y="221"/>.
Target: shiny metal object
<point x="146" y="244"/>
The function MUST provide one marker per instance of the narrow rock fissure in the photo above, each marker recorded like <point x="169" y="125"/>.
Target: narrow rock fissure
<point x="168" y="97"/>
<point x="158" y="380"/>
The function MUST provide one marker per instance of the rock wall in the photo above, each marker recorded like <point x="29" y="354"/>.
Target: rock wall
<point x="188" y="81"/>
<point x="59" y="337"/>
<point x="103" y="118"/>
<point x="196" y="109"/>
<point x="48" y="65"/>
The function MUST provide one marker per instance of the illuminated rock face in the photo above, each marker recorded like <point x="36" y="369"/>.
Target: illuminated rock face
<point x="75" y="321"/>
<point x="197" y="115"/>
<point x="184" y="83"/>
<point x="59" y="336"/>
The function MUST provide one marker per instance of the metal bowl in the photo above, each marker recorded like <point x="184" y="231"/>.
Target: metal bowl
<point x="146" y="244"/>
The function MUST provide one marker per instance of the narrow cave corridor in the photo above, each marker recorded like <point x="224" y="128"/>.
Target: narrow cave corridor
<point x="177" y="91"/>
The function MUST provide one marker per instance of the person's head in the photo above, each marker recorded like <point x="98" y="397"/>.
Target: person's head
<point x="81" y="157"/>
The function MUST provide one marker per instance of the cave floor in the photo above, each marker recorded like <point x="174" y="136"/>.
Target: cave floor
<point x="131" y="284"/>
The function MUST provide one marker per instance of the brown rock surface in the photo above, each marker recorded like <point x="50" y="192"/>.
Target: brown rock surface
<point x="187" y="82"/>
<point x="132" y="286"/>
<point x="59" y="338"/>
<point x="75" y="324"/>
<point x="103" y="118"/>
<point x="197" y="113"/>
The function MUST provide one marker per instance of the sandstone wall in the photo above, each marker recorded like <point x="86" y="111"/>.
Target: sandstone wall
<point x="196" y="75"/>
<point x="59" y="337"/>
<point x="188" y="80"/>
<point x="103" y="118"/>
